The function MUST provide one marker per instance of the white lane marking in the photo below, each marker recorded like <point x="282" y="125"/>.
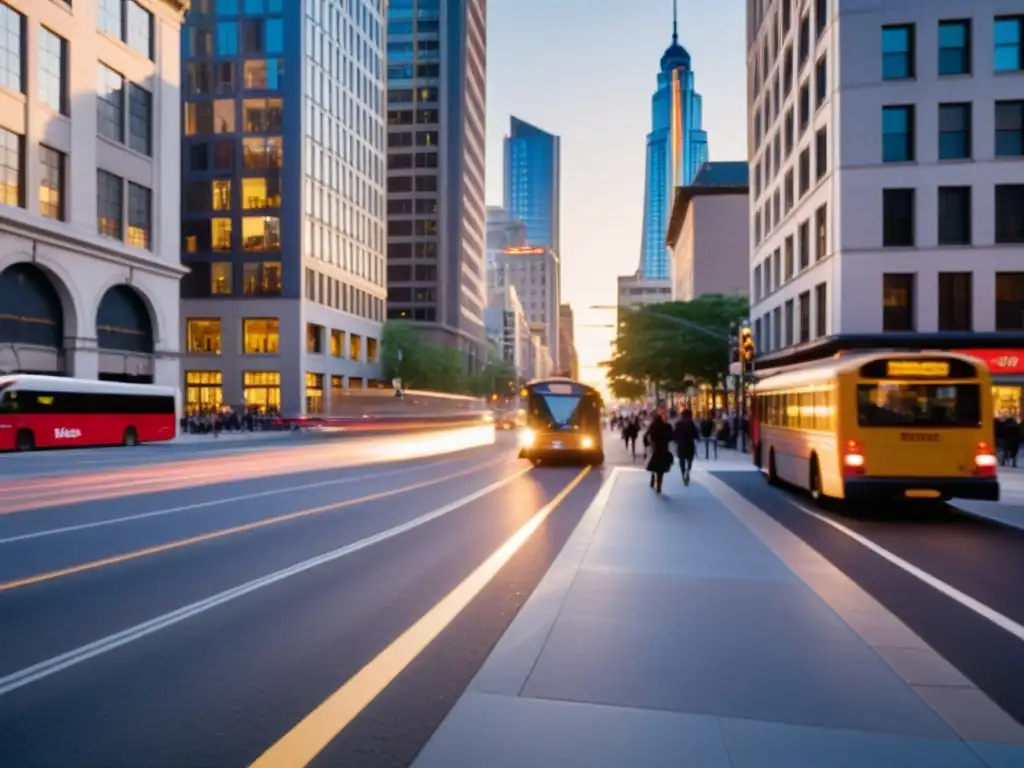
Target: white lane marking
<point x="104" y="645"/>
<point x="215" y="502"/>
<point x="1001" y="621"/>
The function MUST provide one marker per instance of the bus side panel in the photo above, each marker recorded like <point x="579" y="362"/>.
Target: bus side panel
<point x="86" y="429"/>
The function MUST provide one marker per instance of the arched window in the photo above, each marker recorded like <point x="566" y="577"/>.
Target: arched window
<point x="123" y="322"/>
<point x="30" y="308"/>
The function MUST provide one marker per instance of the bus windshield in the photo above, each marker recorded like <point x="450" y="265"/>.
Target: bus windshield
<point x="557" y="412"/>
<point x="918" y="405"/>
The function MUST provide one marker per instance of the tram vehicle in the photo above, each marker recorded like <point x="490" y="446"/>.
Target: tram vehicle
<point x="879" y="426"/>
<point x="58" y="412"/>
<point x="563" y="422"/>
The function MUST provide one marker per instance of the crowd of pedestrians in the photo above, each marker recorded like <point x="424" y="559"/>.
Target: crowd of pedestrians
<point x="661" y="428"/>
<point x="229" y="421"/>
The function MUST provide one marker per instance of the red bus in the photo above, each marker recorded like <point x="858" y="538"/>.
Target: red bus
<point x="57" y="412"/>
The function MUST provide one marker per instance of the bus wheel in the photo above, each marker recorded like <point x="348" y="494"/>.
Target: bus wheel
<point x="25" y="441"/>
<point x="814" y="483"/>
<point x="131" y="437"/>
<point x="773" y="475"/>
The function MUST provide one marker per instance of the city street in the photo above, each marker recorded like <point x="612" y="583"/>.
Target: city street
<point x="341" y="603"/>
<point x="199" y="619"/>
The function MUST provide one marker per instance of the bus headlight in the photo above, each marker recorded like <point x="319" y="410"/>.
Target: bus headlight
<point x="587" y="442"/>
<point x="527" y="437"/>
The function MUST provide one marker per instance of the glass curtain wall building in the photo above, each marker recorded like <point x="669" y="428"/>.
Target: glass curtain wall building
<point x="533" y="182"/>
<point x="677" y="147"/>
<point x="283" y="201"/>
<point x="436" y="59"/>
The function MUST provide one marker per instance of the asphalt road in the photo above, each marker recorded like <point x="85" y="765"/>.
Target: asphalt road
<point x="192" y="612"/>
<point x="976" y="563"/>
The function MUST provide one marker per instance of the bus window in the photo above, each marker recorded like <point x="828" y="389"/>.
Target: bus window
<point x="555" y="412"/>
<point x="918" y="405"/>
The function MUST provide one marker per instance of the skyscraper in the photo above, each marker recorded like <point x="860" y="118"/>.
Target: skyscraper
<point x="436" y="212"/>
<point x="533" y="182"/>
<point x="677" y="147"/>
<point x="283" y="201"/>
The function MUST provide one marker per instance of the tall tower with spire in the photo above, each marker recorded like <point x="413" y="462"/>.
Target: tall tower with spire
<point x="677" y="147"/>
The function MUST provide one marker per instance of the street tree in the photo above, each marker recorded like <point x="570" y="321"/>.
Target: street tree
<point x="420" y="365"/>
<point x="623" y="388"/>
<point x="677" y="344"/>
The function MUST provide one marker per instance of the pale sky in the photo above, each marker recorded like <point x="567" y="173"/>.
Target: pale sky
<point x="585" y="70"/>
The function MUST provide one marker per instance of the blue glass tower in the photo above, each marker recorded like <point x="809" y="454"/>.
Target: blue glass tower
<point x="677" y="147"/>
<point x="533" y="182"/>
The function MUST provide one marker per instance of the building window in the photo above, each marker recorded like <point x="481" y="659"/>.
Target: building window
<point x="1010" y="301"/>
<point x="261" y="278"/>
<point x="261" y="336"/>
<point x="804" y="244"/>
<point x="220" y="234"/>
<point x="955" y="47"/>
<point x="804" y="170"/>
<point x="898" y="52"/>
<point x="821" y="81"/>
<point x="220" y="278"/>
<point x="898" y="311"/>
<point x="314" y="393"/>
<point x="12" y="168"/>
<point x="821" y="228"/>
<point x="53" y="73"/>
<point x="790" y="261"/>
<point x="51" y="183"/>
<point x="804" y="108"/>
<point x="314" y="339"/>
<point x="955" y="131"/>
<point x="898" y="134"/>
<point x="140" y="119"/>
<point x="337" y="343"/>
<point x="110" y="104"/>
<point x="955" y="301"/>
<point x="110" y="205"/>
<point x="371" y="349"/>
<point x="261" y="233"/>
<point x="262" y="115"/>
<point x="820" y="310"/>
<point x="203" y="336"/>
<point x="821" y="153"/>
<point x="12" y="49"/>
<point x="222" y="117"/>
<point x="110" y="17"/>
<point x="140" y="216"/>
<point x="203" y="392"/>
<point x="954" y="215"/>
<point x="1009" y="43"/>
<point x="262" y="152"/>
<point x="355" y="347"/>
<point x="898" y="218"/>
<point x="1009" y="128"/>
<point x="804" y="315"/>
<point x="139" y="29"/>
<point x="262" y="391"/>
<point x="220" y="194"/>
<point x="790" y="320"/>
<point x="1010" y="213"/>
<point x="259" y="193"/>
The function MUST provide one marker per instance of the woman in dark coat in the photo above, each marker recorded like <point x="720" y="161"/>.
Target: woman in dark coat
<point x="659" y="436"/>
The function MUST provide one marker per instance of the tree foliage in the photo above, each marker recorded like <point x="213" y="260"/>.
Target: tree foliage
<point x="437" y="368"/>
<point x="623" y="388"/>
<point x="676" y="344"/>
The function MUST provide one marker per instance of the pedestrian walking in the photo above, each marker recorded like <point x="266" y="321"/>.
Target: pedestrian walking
<point x="686" y="436"/>
<point x="659" y="437"/>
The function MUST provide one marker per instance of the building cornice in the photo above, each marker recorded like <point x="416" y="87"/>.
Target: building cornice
<point x="88" y="246"/>
<point x="181" y="6"/>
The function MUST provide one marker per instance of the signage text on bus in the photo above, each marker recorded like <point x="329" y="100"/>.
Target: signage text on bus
<point x="925" y="369"/>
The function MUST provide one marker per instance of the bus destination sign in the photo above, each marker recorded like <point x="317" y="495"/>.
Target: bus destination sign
<point x="917" y="369"/>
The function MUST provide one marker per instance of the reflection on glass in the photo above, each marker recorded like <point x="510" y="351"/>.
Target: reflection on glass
<point x="262" y="115"/>
<point x="263" y="152"/>
<point x="223" y="116"/>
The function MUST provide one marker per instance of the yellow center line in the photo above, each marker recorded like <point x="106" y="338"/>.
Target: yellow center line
<point x="300" y="746"/>
<point x="155" y="550"/>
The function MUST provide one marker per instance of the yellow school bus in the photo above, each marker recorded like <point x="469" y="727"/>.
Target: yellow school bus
<point x="879" y="426"/>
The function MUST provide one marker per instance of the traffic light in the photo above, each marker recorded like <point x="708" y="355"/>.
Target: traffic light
<point x="747" y="348"/>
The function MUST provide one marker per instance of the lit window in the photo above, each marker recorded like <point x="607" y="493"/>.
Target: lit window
<point x="140" y="216"/>
<point x="51" y="183"/>
<point x="221" y="195"/>
<point x="203" y="391"/>
<point x="109" y="204"/>
<point x="261" y="233"/>
<point x="224" y="116"/>
<point x="261" y="336"/>
<point x="203" y="336"/>
<point x="262" y="390"/>
<point x="355" y="346"/>
<point x="255" y="194"/>
<point x="337" y="342"/>
<point x="371" y="350"/>
<point x="220" y="234"/>
<point x="220" y="278"/>
<point x="314" y="393"/>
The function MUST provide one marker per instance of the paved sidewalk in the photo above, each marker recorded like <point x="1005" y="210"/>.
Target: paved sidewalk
<point x="692" y="630"/>
<point x="232" y="437"/>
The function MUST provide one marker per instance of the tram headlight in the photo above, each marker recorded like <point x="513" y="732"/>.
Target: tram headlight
<point x="527" y="438"/>
<point x="587" y="442"/>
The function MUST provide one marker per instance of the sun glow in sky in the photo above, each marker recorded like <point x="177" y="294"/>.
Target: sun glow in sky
<point x="585" y="70"/>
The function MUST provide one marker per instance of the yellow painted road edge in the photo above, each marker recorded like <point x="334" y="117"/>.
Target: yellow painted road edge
<point x="213" y="535"/>
<point x="301" y="745"/>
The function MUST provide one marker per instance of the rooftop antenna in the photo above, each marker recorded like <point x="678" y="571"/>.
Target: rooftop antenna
<point x="675" y="22"/>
